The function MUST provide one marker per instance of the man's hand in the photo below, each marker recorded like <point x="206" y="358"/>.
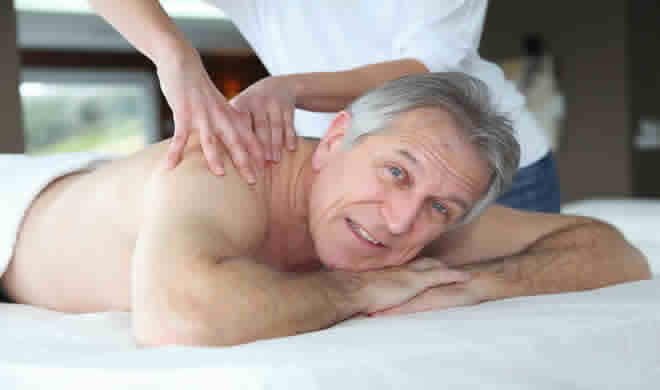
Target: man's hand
<point x="390" y="288"/>
<point x="271" y="104"/>
<point x="440" y="297"/>
<point x="489" y="280"/>
<point x="199" y="106"/>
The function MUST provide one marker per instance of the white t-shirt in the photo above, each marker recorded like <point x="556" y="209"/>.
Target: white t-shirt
<point x="299" y="36"/>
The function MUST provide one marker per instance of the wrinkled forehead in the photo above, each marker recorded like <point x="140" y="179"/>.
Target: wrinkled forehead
<point x="431" y="138"/>
<point x="435" y="120"/>
<point x="434" y="129"/>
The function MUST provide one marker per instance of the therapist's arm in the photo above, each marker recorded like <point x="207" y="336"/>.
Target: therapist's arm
<point x="146" y="26"/>
<point x="514" y="253"/>
<point x="326" y="91"/>
<point x="333" y="91"/>
<point x="272" y="101"/>
<point x="196" y="103"/>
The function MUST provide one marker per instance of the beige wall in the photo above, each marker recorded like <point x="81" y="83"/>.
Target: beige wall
<point x="589" y="39"/>
<point x="11" y="133"/>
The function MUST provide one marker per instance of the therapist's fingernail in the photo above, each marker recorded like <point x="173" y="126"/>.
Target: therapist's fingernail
<point x="171" y="162"/>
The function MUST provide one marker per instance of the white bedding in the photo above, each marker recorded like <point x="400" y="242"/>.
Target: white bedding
<point x="602" y="339"/>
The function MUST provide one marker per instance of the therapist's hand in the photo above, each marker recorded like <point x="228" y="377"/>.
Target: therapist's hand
<point x="197" y="105"/>
<point x="271" y="103"/>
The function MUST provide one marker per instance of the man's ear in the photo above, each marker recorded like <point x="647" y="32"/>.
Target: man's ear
<point x="331" y="142"/>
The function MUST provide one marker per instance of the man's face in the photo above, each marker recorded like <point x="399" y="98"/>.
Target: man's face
<point x="380" y="202"/>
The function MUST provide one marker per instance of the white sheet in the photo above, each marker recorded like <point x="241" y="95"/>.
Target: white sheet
<point x="637" y="219"/>
<point x="602" y="339"/>
<point x="23" y="178"/>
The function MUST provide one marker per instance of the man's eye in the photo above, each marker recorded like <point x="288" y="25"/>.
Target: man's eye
<point x="396" y="172"/>
<point x="439" y="207"/>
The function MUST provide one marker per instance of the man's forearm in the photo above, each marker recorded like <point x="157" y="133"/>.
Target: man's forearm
<point x="239" y="300"/>
<point x="333" y="91"/>
<point x="579" y="257"/>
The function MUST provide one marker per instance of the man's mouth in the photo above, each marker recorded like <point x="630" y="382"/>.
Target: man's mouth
<point x="362" y="233"/>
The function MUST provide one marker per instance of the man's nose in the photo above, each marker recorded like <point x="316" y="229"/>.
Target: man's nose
<point x="401" y="211"/>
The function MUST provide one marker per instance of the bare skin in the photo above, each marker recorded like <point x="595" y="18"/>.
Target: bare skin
<point x="83" y="263"/>
<point x="82" y="245"/>
<point x="203" y="260"/>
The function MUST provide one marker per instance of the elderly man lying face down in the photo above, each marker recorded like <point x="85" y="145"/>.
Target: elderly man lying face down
<point x="385" y="214"/>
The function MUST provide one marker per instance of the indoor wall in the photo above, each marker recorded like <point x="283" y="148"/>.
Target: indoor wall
<point x="11" y="132"/>
<point x="589" y="41"/>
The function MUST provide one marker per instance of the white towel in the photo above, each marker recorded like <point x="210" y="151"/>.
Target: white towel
<point x="22" y="178"/>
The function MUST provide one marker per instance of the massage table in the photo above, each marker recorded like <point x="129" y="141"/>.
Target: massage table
<point x="607" y="338"/>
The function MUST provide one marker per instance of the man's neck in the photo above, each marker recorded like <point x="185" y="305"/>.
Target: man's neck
<point x="290" y="243"/>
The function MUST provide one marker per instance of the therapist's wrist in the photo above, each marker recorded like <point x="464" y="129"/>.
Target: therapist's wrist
<point x="173" y="51"/>
<point x="295" y="84"/>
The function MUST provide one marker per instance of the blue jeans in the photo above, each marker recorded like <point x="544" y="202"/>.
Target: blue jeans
<point x="534" y="188"/>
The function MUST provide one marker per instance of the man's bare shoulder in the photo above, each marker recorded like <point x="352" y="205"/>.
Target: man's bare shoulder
<point x="190" y="196"/>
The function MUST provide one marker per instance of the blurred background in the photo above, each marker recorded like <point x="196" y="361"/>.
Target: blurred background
<point x="589" y="71"/>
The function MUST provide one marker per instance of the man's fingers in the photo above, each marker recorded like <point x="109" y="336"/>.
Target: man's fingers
<point x="436" y="277"/>
<point x="426" y="263"/>
<point x="435" y="272"/>
<point x="435" y="298"/>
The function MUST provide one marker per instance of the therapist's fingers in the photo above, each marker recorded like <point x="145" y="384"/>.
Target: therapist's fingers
<point x="289" y="129"/>
<point x="250" y="140"/>
<point x="182" y="130"/>
<point x="276" y="123"/>
<point x="175" y="150"/>
<point x="210" y="148"/>
<point x="262" y="129"/>
<point x="230" y="128"/>
<point x="247" y="122"/>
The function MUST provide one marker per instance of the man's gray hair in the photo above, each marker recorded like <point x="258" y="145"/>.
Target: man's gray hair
<point x="466" y="99"/>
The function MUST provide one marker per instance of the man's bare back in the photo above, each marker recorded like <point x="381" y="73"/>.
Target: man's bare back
<point x="76" y="243"/>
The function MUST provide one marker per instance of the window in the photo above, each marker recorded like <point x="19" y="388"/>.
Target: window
<point x="116" y="112"/>
<point x="176" y="8"/>
<point x="72" y="24"/>
<point x="72" y="111"/>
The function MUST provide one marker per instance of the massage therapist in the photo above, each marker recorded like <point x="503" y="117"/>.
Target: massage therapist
<point x="321" y="56"/>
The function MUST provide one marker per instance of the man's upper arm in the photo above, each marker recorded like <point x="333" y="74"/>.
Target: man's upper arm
<point x="191" y="220"/>
<point x="498" y="232"/>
